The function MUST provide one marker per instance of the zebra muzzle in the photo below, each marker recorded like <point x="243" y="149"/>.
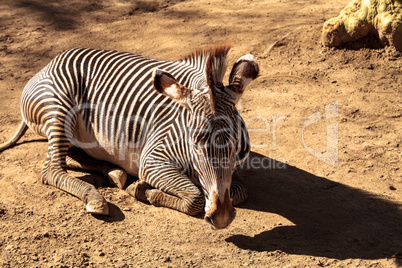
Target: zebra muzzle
<point x="221" y="214"/>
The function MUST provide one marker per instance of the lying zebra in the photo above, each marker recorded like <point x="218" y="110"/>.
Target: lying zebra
<point x="173" y="124"/>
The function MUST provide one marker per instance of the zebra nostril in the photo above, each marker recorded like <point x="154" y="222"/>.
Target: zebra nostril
<point x="209" y="220"/>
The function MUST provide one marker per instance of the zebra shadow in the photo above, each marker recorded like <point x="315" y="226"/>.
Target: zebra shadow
<point x="330" y="219"/>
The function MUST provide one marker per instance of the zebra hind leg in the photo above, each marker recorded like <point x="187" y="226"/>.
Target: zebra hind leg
<point x="54" y="173"/>
<point x="78" y="159"/>
<point x="238" y="193"/>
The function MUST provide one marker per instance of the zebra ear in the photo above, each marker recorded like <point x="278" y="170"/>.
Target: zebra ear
<point x="243" y="72"/>
<point x="164" y="83"/>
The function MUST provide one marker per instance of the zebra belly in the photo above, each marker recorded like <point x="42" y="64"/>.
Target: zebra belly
<point x="97" y="147"/>
<point x="128" y="161"/>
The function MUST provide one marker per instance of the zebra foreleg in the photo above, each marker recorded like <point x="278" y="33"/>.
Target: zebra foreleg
<point x="190" y="203"/>
<point x="165" y="186"/>
<point x="137" y="190"/>
<point x="78" y="159"/>
<point x="238" y="193"/>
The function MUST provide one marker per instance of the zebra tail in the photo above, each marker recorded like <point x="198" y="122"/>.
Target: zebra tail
<point x="20" y="132"/>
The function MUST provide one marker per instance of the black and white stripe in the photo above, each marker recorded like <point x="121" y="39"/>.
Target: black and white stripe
<point x="105" y="102"/>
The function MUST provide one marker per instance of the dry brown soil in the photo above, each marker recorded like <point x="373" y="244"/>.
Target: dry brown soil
<point x="302" y="212"/>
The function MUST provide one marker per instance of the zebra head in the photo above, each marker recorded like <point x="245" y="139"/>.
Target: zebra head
<point x="216" y="130"/>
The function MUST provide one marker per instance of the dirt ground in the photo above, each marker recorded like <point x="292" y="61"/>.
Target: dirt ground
<point x="324" y="178"/>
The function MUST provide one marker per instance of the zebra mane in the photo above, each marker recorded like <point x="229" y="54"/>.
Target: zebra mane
<point x="213" y="62"/>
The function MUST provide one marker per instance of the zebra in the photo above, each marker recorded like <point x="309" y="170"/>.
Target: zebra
<point x="172" y="124"/>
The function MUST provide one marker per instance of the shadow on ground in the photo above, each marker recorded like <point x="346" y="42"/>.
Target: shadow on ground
<point x="115" y="214"/>
<point x="331" y="219"/>
<point x="67" y="15"/>
<point x="99" y="180"/>
<point x="62" y="18"/>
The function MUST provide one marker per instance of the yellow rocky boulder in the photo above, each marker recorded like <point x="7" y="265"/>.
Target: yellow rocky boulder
<point x="362" y="17"/>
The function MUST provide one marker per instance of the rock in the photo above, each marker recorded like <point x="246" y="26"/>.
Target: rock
<point x="361" y="18"/>
<point x="9" y="247"/>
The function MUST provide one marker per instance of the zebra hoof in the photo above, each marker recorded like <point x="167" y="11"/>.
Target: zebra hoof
<point x="137" y="189"/>
<point x="98" y="207"/>
<point x="117" y="177"/>
<point x="152" y="195"/>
